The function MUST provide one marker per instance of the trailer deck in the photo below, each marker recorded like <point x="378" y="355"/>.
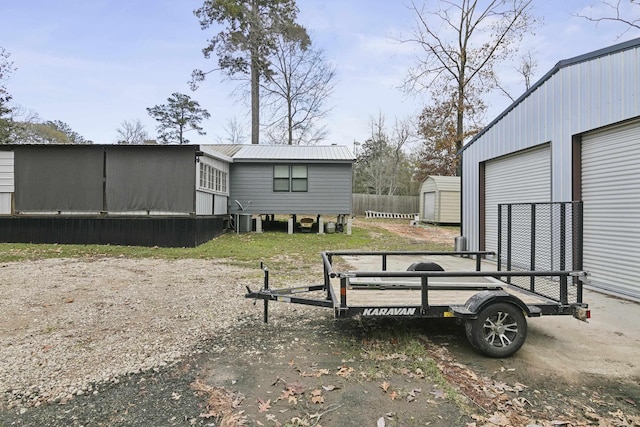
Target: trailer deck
<point x="451" y="290"/>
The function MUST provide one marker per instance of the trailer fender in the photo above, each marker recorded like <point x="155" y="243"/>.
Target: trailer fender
<point x="475" y="304"/>
<point x="425" y="266"/>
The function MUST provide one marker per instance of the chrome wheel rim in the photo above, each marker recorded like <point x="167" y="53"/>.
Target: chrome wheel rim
<point x="500" y="330"/>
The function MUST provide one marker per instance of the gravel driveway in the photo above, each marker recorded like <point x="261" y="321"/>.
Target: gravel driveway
<point x="69" y="323"/>
<point x="138" y="342"/>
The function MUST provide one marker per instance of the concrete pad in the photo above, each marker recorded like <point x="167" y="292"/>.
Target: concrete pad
<point x="609" y="344"/>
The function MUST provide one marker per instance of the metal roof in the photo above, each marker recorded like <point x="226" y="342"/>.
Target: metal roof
<point x="226" y="149"/>
<point x="261" y="153"/>
<point x="445" y="183"/>
<point x="561" y="64"/>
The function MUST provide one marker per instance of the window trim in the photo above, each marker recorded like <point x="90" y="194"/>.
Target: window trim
<point x="293" y="183"/>
<point x="213" y="179"/>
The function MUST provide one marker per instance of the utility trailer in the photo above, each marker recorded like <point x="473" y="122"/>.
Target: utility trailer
<point x="493" y="303"/>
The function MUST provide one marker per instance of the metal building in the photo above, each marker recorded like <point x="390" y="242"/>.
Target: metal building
<point x="440" y="200"/>
<point x="575" y="135"/>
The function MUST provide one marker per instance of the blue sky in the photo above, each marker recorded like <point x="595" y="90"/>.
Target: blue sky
<point x="95" y="63"/>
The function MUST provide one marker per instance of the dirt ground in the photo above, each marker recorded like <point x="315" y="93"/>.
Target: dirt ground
<point x="305" y="368"/>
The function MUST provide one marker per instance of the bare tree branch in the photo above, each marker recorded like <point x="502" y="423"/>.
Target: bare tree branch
<point x="463" y="42"/>
<point x="616" y="15"/>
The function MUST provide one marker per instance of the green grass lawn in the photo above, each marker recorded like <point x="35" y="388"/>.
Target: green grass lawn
<point x="276" y="248"/>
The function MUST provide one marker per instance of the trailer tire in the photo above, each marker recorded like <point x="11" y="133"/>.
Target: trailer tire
<point x="499" y="331"/>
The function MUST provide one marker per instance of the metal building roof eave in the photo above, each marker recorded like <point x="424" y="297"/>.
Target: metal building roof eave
<point x="630" y="44"/>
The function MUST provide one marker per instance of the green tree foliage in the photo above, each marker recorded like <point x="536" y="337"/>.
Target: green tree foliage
<point x="245" y="45"/>
<point x="6" y="122"/>
<point x="181" y="114"/>
<point x="49" y="132"/>
<point x="462" y="43"/>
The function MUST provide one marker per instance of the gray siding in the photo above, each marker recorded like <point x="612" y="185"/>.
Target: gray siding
<point x="577" y="96"/>
<point x="329" y="190"/>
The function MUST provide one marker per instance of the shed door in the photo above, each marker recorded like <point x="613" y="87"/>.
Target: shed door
<point x="524" y="177"/>
<point x="430" y="206"/>
<point x="611" y="196"/>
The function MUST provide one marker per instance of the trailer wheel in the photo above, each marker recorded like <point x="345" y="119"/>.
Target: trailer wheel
<point x="499" y="331"/>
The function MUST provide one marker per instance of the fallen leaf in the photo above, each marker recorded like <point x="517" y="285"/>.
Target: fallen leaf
<point x="296" y="387"/>
<point x="316" y="374"/>
<point x="264" y="406"/>
<point x="385" y="386"/>
<point x="175" y="396"/>
<point x="286" y="394"/>
<point x="344" y="371"/>
<point x="521" y="402"/>
<point x="330" y="387"/>
<point x="381" y="422"/>
<point x="316" y="396"/>
<point x="393" y="395"/>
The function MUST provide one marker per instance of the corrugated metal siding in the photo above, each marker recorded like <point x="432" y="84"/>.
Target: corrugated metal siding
<point x="220" y="204"/>
<point x="211" y="204"/>
<point x="449" y="208"/>
<point x="7" y="182"/>
<point x="579" y="97"/>
<point x="204" y="203"/>
<point x="610" y="191"/>
<point x="329" y="190"/>
<point x="519" y="178"/>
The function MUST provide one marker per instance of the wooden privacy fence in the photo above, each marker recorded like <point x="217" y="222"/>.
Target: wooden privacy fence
<point x="390" y="204"/>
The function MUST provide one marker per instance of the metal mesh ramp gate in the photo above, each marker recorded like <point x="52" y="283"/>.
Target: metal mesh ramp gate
<point x="541" y="237"/>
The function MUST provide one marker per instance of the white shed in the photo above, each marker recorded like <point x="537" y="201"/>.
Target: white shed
<point x="440" y="200"/>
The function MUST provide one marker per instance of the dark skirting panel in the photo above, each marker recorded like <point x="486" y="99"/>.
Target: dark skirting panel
<point x="100" y="230"/>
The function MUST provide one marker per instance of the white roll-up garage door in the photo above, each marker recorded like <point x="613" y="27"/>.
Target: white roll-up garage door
<point x="524" y="177"/>
<point x="611" y="196"/>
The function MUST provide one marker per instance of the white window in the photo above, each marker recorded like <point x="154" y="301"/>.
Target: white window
<point x="212" y="178"/>
<point x="292" y="178"/>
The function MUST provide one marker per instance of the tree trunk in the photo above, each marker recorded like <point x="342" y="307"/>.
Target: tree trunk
<point x="255" y="88"/>
<point x="255" y="103"/>
<point x="289" y="123"/>
<point x="460" y="122"/>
